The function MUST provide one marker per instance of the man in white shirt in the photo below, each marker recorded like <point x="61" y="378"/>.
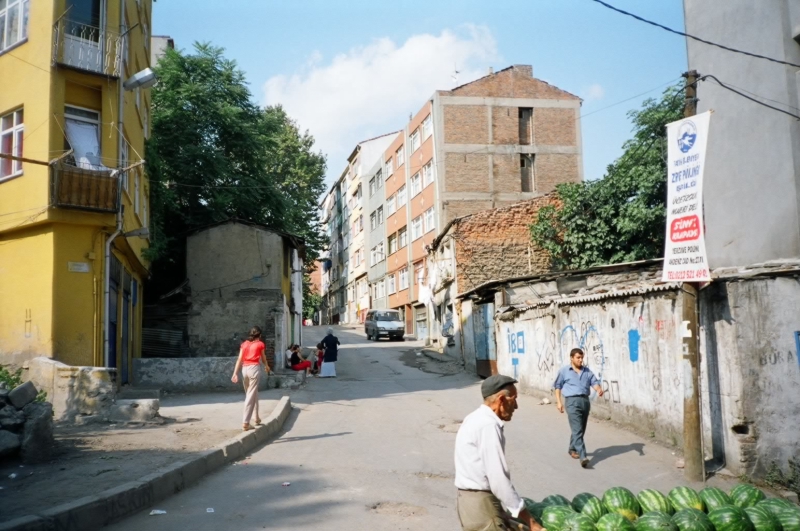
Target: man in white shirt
<point x="487" y="501"/>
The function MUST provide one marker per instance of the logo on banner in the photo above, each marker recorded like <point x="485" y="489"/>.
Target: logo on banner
<point x="687" y="136"/>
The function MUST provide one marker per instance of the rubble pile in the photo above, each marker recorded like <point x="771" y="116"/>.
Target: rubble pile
<point x="26" y="426"/>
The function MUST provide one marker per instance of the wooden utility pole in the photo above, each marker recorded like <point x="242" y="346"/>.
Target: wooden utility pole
<point x="694" y="461"/>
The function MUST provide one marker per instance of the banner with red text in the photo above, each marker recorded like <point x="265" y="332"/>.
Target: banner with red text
<point x="685" y="248"/>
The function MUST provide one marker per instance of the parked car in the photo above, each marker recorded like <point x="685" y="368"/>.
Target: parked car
<point x="384" y="323"/>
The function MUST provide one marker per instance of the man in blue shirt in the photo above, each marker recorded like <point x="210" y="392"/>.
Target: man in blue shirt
<point x="574" y="383"/>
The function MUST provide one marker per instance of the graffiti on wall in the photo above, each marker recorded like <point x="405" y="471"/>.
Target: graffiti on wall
<point x="797" y="347"/>
<point x="588" y="340"/>
<point x="516" y="348"/>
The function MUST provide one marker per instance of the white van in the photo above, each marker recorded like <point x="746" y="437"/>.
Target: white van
<point x="384" y="323"/>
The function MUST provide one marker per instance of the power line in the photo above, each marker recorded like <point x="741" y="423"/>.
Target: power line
<point x="742" y="94"/>
<point x="693" y="37"/>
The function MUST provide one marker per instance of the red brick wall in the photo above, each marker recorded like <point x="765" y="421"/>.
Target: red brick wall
<point x="505" y="125"/>
<point x="555" y="127"/>
<point x="466" y="124"/>
<point x="507" y="173"/>
<point x="512" y="82"/>
<point x="554" y="168"/>
<point x="466" y="172"/>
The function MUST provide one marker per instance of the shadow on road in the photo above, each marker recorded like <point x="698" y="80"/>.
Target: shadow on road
<point x="312" y="437"/>
<point x="610" y="451"/>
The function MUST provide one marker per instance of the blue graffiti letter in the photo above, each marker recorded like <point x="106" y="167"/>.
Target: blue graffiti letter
<point x="633" y="344"/>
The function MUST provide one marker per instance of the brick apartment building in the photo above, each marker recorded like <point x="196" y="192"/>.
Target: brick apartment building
<point x="501" y="139"/>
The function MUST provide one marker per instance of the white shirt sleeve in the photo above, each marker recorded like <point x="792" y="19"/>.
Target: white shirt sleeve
<point x="494" y="461"/>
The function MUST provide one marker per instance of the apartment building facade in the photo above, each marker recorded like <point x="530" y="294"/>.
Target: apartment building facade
<point x="504" y="138"/>
<point x="73" y="192"/>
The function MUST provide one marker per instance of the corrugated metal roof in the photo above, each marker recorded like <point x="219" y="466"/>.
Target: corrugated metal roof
<point x="610" y="294"/>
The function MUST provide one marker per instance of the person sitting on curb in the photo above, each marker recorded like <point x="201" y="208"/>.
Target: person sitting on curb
<point x="299" y="363"/>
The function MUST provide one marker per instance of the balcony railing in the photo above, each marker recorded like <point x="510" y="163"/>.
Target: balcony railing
<point x="87" y="47"/>
<point x="84" y="189"/>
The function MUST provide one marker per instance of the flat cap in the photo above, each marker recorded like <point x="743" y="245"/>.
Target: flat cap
<point x="495" y="383"/>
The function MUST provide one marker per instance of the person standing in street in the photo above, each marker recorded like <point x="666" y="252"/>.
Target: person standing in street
<point x="573" y="385"/>
<point x="487" y="501"/>
<point x="331" y="344"/>
<point x="251" y="356"/>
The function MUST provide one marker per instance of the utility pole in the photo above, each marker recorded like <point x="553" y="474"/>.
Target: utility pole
<point x="694" y="461"/>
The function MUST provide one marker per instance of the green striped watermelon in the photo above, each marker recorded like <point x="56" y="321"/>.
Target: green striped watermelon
<point x="655" y="521"/>
<point x="614" y="522"/>
<point x="578" y="522"/>
<point x="714" y="498"/>
<point x="594" y="509"/>
<point x="686" y="498"/>
<point x="789" y="518"/>
<point x="746" y="496"/>
<point x="652" y="500"/>
<point x="775" y="504"/>
<point x="580" y="500"/>
<point x="621" y="500"/>
<point x="730" y="518"/>
<point x="554" y="516"/>
<point x="692" y="520"/>
<point x="537" y="510"/>
<point x="762" y="518"/>
<point x="557" y="499"/>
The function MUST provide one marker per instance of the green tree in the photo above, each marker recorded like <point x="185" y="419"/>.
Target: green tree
<point x="621" y="217"/>
<point x="312" y="300"/>
<point x="215" y="155"/>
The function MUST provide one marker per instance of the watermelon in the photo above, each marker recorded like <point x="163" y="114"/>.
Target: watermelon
<point x="730" y="518"/>
<point x="655" y="521"/>
<point x="692" y="520"/>
<point x="557" y="499"/>
<point x="774" y="504"/>
<point x="746" y="496"/>
<point x="578" y="522"/>
<point x="536" y="510"/>
<point x="762" y="518"/>
<point x="651" y="500"/>
<point x="714" y="498"/>
<point x="621" y="500"/>
<point x="594" y="509"/>
<point x="554" y="516"/>
<point x="686" y="498"/>
<point x="614" y="522"/>
<point x="580" y="500"/>
<point x="789" y="518"/>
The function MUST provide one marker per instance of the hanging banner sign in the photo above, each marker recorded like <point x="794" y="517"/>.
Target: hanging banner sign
<point x="685" y="249"/>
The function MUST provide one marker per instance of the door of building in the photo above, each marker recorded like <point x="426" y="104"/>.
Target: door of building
<point x="421" y="318"/>
<point x="485" y="351"/>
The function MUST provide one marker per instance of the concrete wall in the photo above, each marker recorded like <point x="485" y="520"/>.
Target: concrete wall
<point x="188" y="374"/>
<point x="753" y="161"/>
<point x="73" y="391"/>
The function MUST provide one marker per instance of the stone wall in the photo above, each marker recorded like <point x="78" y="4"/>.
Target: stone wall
<point x="73" y="391"/>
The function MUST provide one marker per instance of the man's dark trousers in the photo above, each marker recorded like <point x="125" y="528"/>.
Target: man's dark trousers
<point x="578" y="414"/>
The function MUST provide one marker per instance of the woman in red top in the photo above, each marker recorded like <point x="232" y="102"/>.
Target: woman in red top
<point x="251" y="356"/>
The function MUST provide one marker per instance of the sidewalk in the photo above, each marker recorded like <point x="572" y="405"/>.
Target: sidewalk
<point x="93" y="458"/>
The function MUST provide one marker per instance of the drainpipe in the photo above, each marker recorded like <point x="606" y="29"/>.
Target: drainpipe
<point x="120" y="101"/>
<point x="107" y="284"/>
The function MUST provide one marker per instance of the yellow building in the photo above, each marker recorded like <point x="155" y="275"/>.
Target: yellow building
<point x="72" y="121"/>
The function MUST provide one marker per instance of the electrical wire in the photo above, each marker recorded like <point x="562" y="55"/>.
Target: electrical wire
<point x="742" y="94"/>
<point x="693" y="37"/>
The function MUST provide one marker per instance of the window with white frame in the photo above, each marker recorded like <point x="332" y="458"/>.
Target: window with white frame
<point x="380" y="215"/>
<point x="430" y="220"/>
<point x="136" y="182"/>
<point x="145" y="213"/>
<point x="419" y="273"/>
<point x="416" y="184"/>
<point x="12" y="129"/>
<point x="392" y="244"/>
<point x="82" y="127"/>
<point x="372" y="187"/>
<point x="390" y="281"/>
<point x="379" y="179"/>
<point x="124" y="158"/>
<point x="416" y="228"/>
<point x="391" y="205"/>
<point x="379" y="256"/>
<point x="358" y="195"/>
<point x="373" y="221"/>
<point x="14" y="15"/>
<point x="427" y="127"/>
<point x="403" y="278"/>
<point x="402" y="237"/>
<point x="360" y="256"/>
<point x="402" y="196"/>
<point x="373" y="257"/>
<point x="427" y="174"/>
<point x="415" y="140"/>
<point x="400" y="154"/>
<point x="389" y="166"/>
<point x="380" y="289"/>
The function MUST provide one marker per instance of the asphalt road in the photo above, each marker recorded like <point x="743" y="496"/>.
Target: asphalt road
<point x="373" y="450"/>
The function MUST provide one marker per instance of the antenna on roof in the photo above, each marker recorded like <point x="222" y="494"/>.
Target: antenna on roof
<point x="455" y="74"/>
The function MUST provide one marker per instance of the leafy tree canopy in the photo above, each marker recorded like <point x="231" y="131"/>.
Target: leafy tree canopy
<point x="621" y="217"/>
<point x="214" y="155"/>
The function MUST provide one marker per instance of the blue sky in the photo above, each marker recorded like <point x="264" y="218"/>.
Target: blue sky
<point x="351" y="69"/>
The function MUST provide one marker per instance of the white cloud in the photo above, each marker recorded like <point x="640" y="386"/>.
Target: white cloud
<point x="371" y="90"/>
<point x="594" y="92"/>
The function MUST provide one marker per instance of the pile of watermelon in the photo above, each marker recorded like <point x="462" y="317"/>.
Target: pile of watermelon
<point x="745" y="508"/>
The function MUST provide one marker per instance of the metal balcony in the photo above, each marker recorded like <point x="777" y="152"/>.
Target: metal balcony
<point x="84" y="189"/>
<point x="87" y="48"/>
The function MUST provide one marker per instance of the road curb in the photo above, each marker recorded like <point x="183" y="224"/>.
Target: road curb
<point x="111" y="505"/>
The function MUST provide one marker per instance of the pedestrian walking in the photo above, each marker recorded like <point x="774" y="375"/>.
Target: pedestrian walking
<point x="487" y="500"/>
<point x="331" y="344"/>
<point x="574" y="383"/>
<point x="251" y="356"/>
